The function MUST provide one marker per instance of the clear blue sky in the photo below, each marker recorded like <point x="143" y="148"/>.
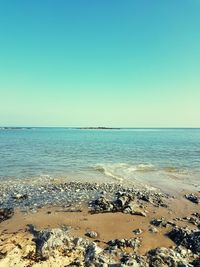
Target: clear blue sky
<point x="132" y="63"/>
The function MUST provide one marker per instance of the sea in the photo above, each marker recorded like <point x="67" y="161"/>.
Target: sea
<point x="165" y="158"/>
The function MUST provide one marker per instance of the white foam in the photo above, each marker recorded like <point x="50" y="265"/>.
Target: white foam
<point x="121" y="171"/>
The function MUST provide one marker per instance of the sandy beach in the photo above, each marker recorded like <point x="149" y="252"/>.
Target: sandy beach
<point x="115" y="226"/>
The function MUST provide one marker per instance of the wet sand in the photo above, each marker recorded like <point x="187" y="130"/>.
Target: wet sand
<point x="108" y="225"/>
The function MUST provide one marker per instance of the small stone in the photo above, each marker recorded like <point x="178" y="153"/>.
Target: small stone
<point x="157" y="222"/>
<point x="20" y="196"/>
<point x="153" y="229"/>
<point x="91" y="234"/>
<point x="137" y="231"/>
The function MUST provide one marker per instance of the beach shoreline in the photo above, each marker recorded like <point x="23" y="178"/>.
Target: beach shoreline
<point x="112" y="211"/>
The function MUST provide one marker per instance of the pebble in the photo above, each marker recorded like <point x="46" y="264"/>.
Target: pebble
<point x="91" y="234"/>
<point x="153" y="229"/>
<point x="137" y="231"/>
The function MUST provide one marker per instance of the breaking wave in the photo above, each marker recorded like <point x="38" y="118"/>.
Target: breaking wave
<point x="141" y="172"/>
<point x="119" y="171"/>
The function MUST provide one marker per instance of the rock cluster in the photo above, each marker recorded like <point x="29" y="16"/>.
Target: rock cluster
<point x="156" y="198"/>
<point x="126" y="201"/>
<point x="80" y="252"/>
<point x="30" y="196"/>
<point x="162" y="223"/>
<point x="54" y="247"/>
<point x="194" y="219"/>
<point x="120" y="204"/>
<point x="161" y="257"/>
<point x="123" y="243"/>
<point x="186" y="237"/>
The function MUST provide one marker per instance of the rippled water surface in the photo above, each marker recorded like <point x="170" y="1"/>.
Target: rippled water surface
<point x="151" y="155"/>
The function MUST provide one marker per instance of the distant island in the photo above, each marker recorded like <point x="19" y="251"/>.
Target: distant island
<point x="98" y="128"/>
<point x="15" y="128"/>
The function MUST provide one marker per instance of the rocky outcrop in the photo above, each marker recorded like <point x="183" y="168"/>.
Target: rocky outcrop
<point x="54" y="247"/>
<point x="187" y="238"/>
<point x="125" y="203"/>
<point x="50" y="242"/>
<point x="161" y="257"/>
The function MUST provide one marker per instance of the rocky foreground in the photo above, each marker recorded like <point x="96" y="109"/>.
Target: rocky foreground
<point x="156" y="215"/>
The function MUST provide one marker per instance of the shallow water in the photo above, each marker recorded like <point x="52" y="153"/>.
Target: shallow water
<point x="158" y="157"/>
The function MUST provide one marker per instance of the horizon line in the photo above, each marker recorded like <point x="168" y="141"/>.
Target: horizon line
<point x="106" y="127"/>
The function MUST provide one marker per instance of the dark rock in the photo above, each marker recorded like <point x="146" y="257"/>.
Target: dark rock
<point x="122" y="243"/>
<point x="162" y="222"/>
<point x="122" y="201"/>
<point x="187" y="238"/>
<point x="2" y="255"/>
<point x="196" y="262"/>
<point x="156" y="222"/>
<point x="133" y="260"/>
<point x="193" y="198"/>
<point x="91" y="253"/>
<point x="6" y="213"/>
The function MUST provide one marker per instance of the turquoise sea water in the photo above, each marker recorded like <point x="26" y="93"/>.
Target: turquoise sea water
<point x="152" y="156"/>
